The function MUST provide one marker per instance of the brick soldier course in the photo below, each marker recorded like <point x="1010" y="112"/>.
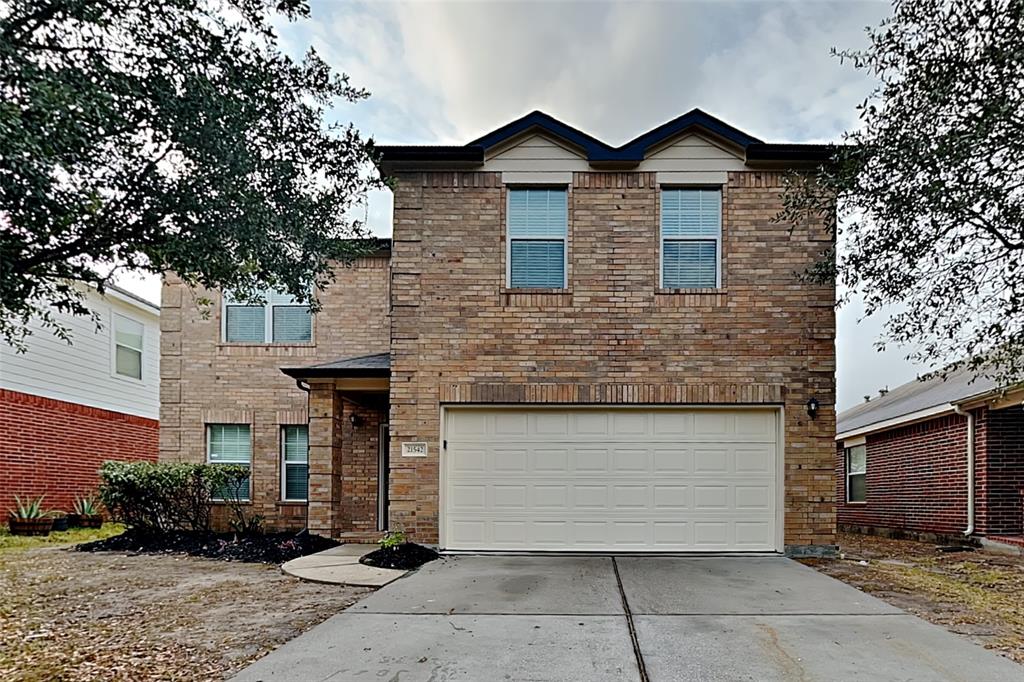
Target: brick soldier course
<point x="457" y="334"/>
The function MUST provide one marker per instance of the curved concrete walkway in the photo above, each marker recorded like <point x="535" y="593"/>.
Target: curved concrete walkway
<point x="340" y="566"/>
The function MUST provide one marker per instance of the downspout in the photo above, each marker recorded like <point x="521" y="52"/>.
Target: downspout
<point x="970" y="467"/>
<point x="303" y="386"/>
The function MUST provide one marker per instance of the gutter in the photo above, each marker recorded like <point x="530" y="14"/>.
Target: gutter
<point x="970" y="467"/>
<point x="303" y="386"/>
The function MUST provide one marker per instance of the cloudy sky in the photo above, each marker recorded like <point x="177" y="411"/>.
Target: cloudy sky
<point x="448" y="72"/>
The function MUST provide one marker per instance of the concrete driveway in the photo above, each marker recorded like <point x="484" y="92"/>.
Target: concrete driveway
<point x="626" y="618"/>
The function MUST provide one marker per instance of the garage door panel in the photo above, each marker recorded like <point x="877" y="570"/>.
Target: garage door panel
<point x="636" y="534"/>
<point x="592" y="479"/>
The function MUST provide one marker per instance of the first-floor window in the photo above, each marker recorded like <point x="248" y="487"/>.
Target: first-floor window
<point x="295" y="463"/>
<point x="230" y="444"/>
<point x="856" y="473"/>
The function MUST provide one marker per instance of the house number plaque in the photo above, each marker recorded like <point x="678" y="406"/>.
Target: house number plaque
<point x="414" y="449"/>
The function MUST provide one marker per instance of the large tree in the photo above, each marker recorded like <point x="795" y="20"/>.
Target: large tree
<point x="160" y="135"/>
<point x="931" y="185"/>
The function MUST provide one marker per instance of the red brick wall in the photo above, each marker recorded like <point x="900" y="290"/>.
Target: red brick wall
<point x="54" y="448"/>
<point x="999" y="471"/>
<point x="916" y="479"/>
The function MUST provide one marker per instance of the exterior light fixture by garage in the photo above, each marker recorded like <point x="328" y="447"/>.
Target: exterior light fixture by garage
<point x="356" y="420"/>
<point x="812" y="408"/>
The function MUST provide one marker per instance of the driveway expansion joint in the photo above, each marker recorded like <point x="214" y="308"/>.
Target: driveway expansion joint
<point x="641" y="666"/>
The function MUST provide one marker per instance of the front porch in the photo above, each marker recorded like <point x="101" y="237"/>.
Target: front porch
<point x="348" y="446"/>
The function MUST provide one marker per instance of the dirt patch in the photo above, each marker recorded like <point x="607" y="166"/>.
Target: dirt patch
<point x="977" y="594"/>
<point x="76" y="615"/>
<point x="406" y="556"/>
<point x="269" y="548"/>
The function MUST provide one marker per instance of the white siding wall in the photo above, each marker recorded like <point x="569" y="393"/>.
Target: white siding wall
<point x="690" y="159"/>
<point x="536" y="158"/>
<point x="83" y="372"/>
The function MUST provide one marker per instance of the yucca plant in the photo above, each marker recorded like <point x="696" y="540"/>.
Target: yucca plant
<point x="86" y="505"/>
<point x="29" y="518"/>
<point x="30" y="509"/>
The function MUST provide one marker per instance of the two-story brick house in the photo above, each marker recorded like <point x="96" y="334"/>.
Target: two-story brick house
<point x="567" y="346"/>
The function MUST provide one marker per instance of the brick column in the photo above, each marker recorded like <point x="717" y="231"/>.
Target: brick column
<point x="324" y="481"/>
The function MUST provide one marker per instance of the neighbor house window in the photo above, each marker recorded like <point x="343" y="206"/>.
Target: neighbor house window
<point x="295" y="463"/>
<point x="691" y="237"/>
<point x="856" y="473"/>
<point x="128" y="347"/>
<point x="281" y="319"/>
<point x="230" y="444"/>
<point x="538" y="222"/>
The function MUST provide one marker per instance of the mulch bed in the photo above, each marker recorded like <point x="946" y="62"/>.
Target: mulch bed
<point x="406" y="556"/>
<point x="270" y="548"/>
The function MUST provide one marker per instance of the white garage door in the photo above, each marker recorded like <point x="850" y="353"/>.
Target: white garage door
<point x="610" y="479"/>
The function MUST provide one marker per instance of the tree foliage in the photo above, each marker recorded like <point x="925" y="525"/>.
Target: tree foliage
<point x="930" y="186"/>
<point x="170" y="135"/>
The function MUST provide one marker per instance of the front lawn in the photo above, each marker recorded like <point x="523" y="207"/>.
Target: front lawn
<point x="111" y="616"/>
<point x="976" y="594"/>
<point x="67" y="537"/>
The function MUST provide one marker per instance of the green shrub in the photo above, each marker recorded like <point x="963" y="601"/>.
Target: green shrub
<point x="168" y="496"/>
<point x="392" y="538"/>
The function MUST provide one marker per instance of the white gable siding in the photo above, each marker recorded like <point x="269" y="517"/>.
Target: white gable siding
<point x="83" y="372"/>
<point x="692" y="159"/>
<point x="536" y="159"/>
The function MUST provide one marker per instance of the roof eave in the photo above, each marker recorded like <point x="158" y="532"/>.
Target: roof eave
<point x="408" y="158"/>
<point x="336" y="373"/>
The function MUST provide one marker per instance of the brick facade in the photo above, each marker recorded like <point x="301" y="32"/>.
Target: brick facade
<point x="55" y="448"/>
<point x="917" y="477"/>
<point x="614" y="337"/>
<point x="999" y="473"/>
<point x="206" y="381"/>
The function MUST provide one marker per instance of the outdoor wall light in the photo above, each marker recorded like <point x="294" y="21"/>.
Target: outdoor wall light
<point x="812" y="408"/>
<point x="356" y="420"/>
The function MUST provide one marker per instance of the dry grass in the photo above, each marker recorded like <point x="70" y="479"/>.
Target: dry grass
<point x="72" y="536"/>
<point x="71" y="616"/>
<point x="976" y="594"/>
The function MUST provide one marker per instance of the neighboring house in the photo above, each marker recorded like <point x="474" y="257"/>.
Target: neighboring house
<point x="566" y="346"/>
<point x="66" y="408"/>
<point x="936" y="457"/>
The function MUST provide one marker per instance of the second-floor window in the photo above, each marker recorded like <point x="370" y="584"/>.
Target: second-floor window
<point x="128" y="336"/>
<point x="538" y="220"/>
<point x="281" y="319"/>
<point x="691" y="238"/>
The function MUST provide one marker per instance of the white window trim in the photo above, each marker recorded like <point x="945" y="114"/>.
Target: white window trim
<point x="848" y="474"/>
<point x="248" y="497"/>
<point x="703" y="238"/>
<point x="113" y="349"/>
<point x="268" y="323"/>
<point x="508" y="237"/>
<point x="284" y="466"/>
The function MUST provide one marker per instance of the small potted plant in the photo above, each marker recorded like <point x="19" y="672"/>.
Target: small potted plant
<point x="87" y="512"/>
<point x="28" y="518"/>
